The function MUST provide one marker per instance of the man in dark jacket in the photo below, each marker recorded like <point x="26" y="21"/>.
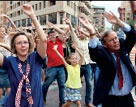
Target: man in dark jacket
<point x="109" y="91"/>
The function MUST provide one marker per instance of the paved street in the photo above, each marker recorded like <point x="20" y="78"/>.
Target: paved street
<point x="53" y="97"/>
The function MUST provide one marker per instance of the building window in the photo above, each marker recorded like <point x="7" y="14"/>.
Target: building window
<point x="52" y="2"/>
<point x="42" y="19"/>
<point x="35" y="6"/>
<point x="68" y="3"/>
<point x="40" y="6"/>
<point x="61" y="16"/>
<point x="24" y="22"/>
<point x="44" y="4"/>
<point x="68" y="15"/>
<point x="18" y="3"/>
<point x="28" y="22"/>
<point x="21" y="11"/>
<point x="11" y="15"/>
<point x="18" y="23"/>
<point x="73" y="21"/>
<point x="74" y="7"/>
<point x="8" y="24"/>
<point x="10" y="7"/>
<point x="18" y="13"/>
<point x="10" y="2"/>
<point x="53" y="18"/>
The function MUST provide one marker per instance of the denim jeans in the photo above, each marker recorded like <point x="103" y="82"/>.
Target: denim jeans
<point x="50" y="75"/>
<point x="87" y="72"/>
<point x="96" y="72"/>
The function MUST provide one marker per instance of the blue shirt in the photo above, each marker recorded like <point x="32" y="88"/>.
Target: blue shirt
<point x="11" y="65"/>
<point x="127" y="81"/>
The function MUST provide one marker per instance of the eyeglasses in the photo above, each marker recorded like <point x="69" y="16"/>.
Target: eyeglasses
<point x="22" y="43"/>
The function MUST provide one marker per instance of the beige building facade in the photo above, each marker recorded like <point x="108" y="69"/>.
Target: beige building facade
<point x="127" y="17"/>
<point x="2" y="11"/>
<point x="52" y="11"/>
<point x="127" y="12"/>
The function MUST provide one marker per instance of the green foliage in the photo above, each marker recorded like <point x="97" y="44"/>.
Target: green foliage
<point x="131" y="22"/>
<point x="116" y="28"/>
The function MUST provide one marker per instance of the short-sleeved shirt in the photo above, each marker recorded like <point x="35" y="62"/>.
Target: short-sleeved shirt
<point x="11" y="65"/>
<point x="53" y="58"/>
<point x="73" y="80"/>
<point x="4" y="80"/>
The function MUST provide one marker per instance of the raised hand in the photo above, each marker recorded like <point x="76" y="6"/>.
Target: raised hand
<point x="27" y="9"/>
<point x="111" y="17"/>
<point x="55" y="47"/>
<point x="67" y="20"/>
<point x="3" y="15"/>
<point x="87" y="25"/>
<point x="73" y="45"/>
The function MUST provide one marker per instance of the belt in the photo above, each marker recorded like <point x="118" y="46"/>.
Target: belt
<point x="119" y="97"/>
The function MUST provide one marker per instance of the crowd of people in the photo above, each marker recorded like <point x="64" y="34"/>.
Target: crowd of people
<point x="31" y="61"/>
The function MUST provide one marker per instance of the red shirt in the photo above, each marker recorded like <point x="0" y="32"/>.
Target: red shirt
<point x="53" y="58"/>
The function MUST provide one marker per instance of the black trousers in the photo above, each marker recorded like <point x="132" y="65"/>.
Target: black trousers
<point x="118" y="101"/>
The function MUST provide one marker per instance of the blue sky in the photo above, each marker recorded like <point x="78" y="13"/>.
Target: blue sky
<point x="109" y="6"/>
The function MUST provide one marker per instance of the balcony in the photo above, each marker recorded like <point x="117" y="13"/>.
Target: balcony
<point x="84" y="7"/>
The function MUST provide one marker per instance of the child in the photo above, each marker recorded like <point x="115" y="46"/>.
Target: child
<point x="73" y="82"/>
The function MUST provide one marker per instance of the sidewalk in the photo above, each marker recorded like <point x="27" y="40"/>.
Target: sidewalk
<point x="53" y="96"/>
<point x="52" y="99"/>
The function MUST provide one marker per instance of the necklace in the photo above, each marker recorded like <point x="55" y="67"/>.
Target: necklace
<point x="28" y="86"/>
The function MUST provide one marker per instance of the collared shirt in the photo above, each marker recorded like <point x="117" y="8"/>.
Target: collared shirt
<point x="83" y="47"/>
<point x="127" y="81"/>
<point x="53" y="58"/>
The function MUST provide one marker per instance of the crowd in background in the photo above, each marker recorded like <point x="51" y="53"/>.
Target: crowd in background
<point x="67" y="56"/>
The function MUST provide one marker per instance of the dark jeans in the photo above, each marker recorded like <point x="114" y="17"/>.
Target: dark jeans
<point x="86" y="71"/>
<point x="52" y="74"/>
<point x="118" y="101"/>
<point x="95" y="71"/>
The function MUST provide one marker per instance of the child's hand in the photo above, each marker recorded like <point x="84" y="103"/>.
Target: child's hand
<point x="73" y="45"/>
<point x="67" y="20"/>
<point x="55" y="47"/>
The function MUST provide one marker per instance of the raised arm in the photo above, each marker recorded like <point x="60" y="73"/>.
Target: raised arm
<point x="88" y="26"/>
<point x="73" y="34"/>
<point x="5" y="46"/>
<point x="61" y="33"/>
<point x="62" y="58"/>
<point x="80" y="54"/>
<point x="9" y="19"/>
<point x="79" y="28"/>
<point x="41" y="49"/>
<point x="51" y="25"/>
